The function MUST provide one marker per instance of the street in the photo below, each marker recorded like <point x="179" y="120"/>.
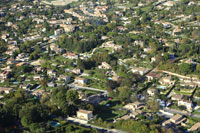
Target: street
<point x="85" y="124"/>
<point x="181" y="112"/>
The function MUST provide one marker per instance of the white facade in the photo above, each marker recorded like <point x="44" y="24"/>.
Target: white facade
<point x="84" y="115"/>
<point x="185" y="103"/>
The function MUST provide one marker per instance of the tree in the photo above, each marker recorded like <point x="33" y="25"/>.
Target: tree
<point x="72" y="96"/>
<point x="138" y="12"/>
<point x="153" y="104"/>
<point x="111" y="84"/>
<point x="185" y="1"/>
<point x="198" y="67"/>
<point x="43" y="83"/>
<point x="145" y="18"/>
<point x="196" y="34"/>
<point x="33" y="113"/>
<point x="6" y="118"/>
<point x="124" y="93"/>
<point x="185" y="68"/>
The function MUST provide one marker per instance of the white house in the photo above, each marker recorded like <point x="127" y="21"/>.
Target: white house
<point x="139" y="70"/>
<point x="153" y="75"/>
<point x="5" y="90"/>
<point x="51" y="73"/>
<point x="166" y="80"/>
<point x="177" y="97"/>
<point x="70" y="55"/>
<point x="80" y="81"/>
<point x="152" y="91"/>
<point x="104" y="65"/>
<point x="134" y="106"/>
<point x="77" y="71"/>
<point x="84" y="114"/>
<point x="177" y="120"/>
<point x="188" y="104"/>
<point x="195" y="127"/>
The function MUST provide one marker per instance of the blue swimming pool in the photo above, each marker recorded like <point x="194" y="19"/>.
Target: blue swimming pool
<point x="162" y="87"/>
<point x="54" y="124"/>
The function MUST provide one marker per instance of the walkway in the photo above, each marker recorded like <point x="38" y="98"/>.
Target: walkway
<point x="87" y="88"/>
<point x="181" y="112"/>
<point x="85" y="124"/>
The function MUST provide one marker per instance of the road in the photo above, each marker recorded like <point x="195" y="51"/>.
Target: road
<point x="181" y="112"/>
<point x="83" y="123"/>
<point x="87" y="88"/>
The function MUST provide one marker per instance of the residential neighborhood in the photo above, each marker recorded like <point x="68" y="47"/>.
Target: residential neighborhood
<point x="100" y="66"/>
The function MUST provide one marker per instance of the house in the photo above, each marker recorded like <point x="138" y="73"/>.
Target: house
<point x="104" y="38"/>
<point x="36" y="77"/>
<point x="84" y="114"/>
<point x="38" y="92"/>
<point x="188" y="104"/>
<point x="195" y="127"/>
<point x="169" y="3"/>
<point x="121" y="28"/>
<point x="63" y="77"/>
<point x="5" y="36"/>
<point x="51" y="73"/>
<point x="177" y="97"/>
<point x="80" y="81"/>
<point x="10" y="61"/>
<point x="166" y="81"/>
<point x="5" y="90"/>
<point x="177" y="31"/>
<point x="134" y="106"/>
<point x="135" y="113"/>
<point x="51" y="84"/>
<point x="68" y="28"/>
<point x="177" y="120"/>
<point x="38" y="69"/>
<point x="153" y="75"/>
<point x="185" y="84"/>
<point x="139" y="43"/>
<point x="82" y="95"/>
<point x="77" y="71"/>
<point x="139" y="70"/>
<point x="70" y="55"/>
<point x="112" y="45"/>
<point x="9" y="52"/>
<point x="147" y="50"/>
<point x="25" y="86"/>
<point x="152" y="91"/>
<point x="20" y="64"/>
<point x="125" y="117"/>
<point x="58" y="32"/>
<point x="4" y="75"/>
<point x="166" y="25"/>
<point x="104" y="65"/>
<point x="115" y="77"/>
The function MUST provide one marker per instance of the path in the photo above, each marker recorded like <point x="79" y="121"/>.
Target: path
<point x="85" y="124"/>
<point x="181" y="112"/>
<point x="87" y="88"/>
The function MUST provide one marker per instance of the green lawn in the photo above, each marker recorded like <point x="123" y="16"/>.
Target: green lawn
<point x="110" y="112"/>
<point x="89" y="92"/>
<point x="146" y="9"/>
<point x="183" y="93"/>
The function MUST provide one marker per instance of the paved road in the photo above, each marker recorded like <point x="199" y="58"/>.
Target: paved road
<point x="87" y="88"/>
<point x="85" y="124"/>
<point x="181" y="112"/>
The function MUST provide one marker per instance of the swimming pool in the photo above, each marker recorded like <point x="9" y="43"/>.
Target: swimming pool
<point x="162" y="87"/>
